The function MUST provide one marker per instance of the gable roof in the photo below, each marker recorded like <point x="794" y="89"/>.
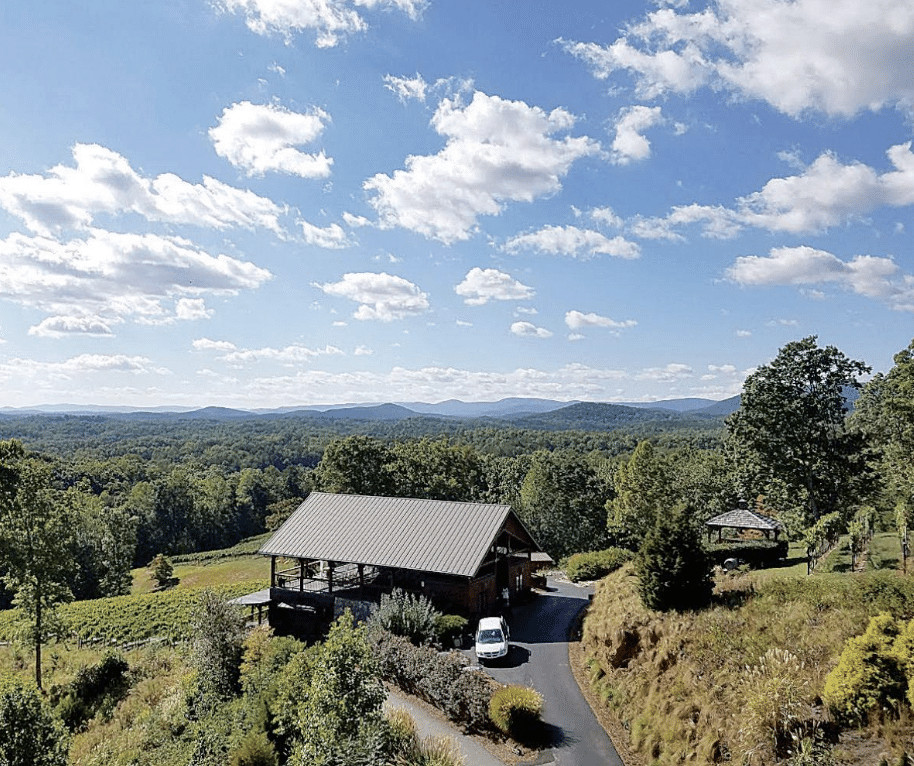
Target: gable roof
<point x="405" y="533"/>
<point x="743" y="518"/>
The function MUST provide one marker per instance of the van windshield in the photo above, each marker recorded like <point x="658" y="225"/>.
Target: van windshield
<point x="490" y="636"/>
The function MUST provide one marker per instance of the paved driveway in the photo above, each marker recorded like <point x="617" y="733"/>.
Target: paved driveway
<point x="539" y="658"/>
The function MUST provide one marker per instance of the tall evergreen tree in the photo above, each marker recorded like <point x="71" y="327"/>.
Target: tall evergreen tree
<point x="673" y="568"/>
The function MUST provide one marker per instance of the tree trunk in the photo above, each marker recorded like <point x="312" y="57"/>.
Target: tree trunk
<point x="38" y="639"/>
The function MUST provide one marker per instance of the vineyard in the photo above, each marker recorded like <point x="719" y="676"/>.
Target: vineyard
<point x="127" y="619"/>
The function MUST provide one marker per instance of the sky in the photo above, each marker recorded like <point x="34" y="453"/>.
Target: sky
<point x="268" y="203"/>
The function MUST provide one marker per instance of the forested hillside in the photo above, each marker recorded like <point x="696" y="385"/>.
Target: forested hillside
<point x="84" y="499"/>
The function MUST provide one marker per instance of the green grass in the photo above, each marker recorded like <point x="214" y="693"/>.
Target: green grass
<point x="211" y="568"/>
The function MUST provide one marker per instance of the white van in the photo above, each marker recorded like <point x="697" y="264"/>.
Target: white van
<point x="491" y="639"/>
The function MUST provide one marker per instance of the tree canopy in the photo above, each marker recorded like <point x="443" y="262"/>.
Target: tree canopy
<point x="790" y="435"/>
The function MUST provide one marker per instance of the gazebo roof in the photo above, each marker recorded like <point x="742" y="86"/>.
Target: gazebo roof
<point x="743" y="518"/>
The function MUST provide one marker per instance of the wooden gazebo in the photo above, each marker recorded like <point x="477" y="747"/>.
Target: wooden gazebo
<point x="742" y="519"/>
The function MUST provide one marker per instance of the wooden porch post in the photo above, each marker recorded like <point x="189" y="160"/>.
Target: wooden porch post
<point x="272" y="571"/>
<point x="301" y="575"/>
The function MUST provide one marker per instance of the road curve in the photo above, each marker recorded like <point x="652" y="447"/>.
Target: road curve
<point x="539" y="658"/>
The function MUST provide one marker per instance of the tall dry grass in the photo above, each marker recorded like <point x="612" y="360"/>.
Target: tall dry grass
<point x="687" y="686"/>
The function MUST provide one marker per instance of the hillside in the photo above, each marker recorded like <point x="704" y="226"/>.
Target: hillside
<point x="697" y="687"/>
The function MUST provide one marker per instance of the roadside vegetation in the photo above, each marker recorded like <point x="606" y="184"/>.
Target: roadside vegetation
<point x="744" y="680"/>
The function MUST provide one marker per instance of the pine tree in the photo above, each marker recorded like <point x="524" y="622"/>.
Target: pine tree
<point x="673" y="568"/>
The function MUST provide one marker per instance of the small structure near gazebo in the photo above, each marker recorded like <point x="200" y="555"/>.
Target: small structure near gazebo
<point x="743" y="519"/>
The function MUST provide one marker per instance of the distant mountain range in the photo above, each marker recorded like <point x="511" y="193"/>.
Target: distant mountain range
<point x="522" y="412"/>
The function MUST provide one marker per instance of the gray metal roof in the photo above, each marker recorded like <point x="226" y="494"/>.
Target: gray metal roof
<point x="423" y="535"/>
<point x="743" y="518"/>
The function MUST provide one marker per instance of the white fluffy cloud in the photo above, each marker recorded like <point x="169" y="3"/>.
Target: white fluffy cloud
<point x="629" y="144"/>
<point x="382" y="296"/>
<point x="825" y="194"/>
<point x="530" y="330"/>
<point x="667" y="374"/>
<point x="261" y="138"/>
<point x="866" y="275"/>
<point x="834" y="56"/>
<point x="292" y="354"/>
<point x="330" y="20"/>
<point x="331" y="237"/>
<point x="406" y="88"/>
<point x="574" y="242"/>
<point x="577" y="320"/>
<point x="480" y="286"/>
<point x="497" y="151"/>
<point x="87" y="286"/>
<point x="103" y="183"/>
<point x="79" y="365"/>
<point x="206" y="344"/>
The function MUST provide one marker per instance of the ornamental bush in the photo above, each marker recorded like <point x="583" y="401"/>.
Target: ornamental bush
<point x="593" y="565"/>
<point x="448" y="627"/>
<point x="405" y="614"/>
<point x="869" y="677"/>
<point x="30" y="734"/>
<point x="441" y="680"/>
<point x="516" y="711"/>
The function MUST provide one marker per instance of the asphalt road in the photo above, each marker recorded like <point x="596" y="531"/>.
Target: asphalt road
<point x="539" y="658"/>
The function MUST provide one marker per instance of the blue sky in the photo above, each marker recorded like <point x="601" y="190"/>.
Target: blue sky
<point x="261" y="203"/>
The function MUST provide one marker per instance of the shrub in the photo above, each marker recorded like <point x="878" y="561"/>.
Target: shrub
<point x="254" y="750"/>
<point x="596" y="564"/>
<point x="869" y="676"/>
<point x="448" y="627"/>
<point x="405" y="614"/>
<point x="756" y="553"/>
<point x="440" y="679"/>
<point x="218" y="636"/>
<point x="95" y="689"/>
<point x="30" y="735"/>
<point x="516" y="711"/>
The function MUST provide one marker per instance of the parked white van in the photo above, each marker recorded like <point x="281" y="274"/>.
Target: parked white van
<point x="491" y="639"/>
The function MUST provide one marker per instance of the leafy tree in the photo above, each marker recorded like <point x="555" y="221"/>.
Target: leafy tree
<point x="563" y="501"/>
<point x="161" y="570"/>
<point x="642" y="490"/>
<point x="885" y="414"/>
<point x="436" y="470"/>
<point x="354" y="465"/>
<point x="790" y="429"/>
<point x="336" y="701"/>
<point x="673" y="568"/>
<point x="104" y="543"/>
<point x="30" y="735"/>
<point x="218" y="644"/>
<point x="35" y="533"/>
